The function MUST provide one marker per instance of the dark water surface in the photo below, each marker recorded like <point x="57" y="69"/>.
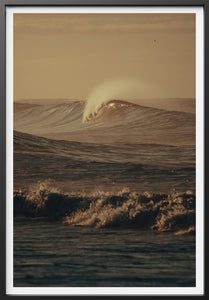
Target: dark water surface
<point x="58" y="255"/>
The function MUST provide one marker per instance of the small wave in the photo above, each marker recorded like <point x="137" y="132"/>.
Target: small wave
<point x="190" y="230"/>
<point x="159" y="212"/>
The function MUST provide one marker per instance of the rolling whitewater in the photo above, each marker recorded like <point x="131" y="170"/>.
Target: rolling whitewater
<point x="110" y="188"/>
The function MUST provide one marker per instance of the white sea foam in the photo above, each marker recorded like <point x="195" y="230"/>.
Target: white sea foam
<point x="172" y="213"/>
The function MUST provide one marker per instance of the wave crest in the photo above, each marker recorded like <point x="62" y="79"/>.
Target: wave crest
<point x="121" y="88"/>
<point x="110" y="106"/>
<point x="159" y="212"/>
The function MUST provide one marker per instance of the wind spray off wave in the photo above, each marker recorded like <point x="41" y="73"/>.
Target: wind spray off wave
<point x="116" y="89"/>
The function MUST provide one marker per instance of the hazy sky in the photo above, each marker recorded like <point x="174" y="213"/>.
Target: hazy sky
<point x="67" y="55"/>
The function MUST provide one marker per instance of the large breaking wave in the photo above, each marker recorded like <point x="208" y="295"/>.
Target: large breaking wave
<point x="111" y="121"/>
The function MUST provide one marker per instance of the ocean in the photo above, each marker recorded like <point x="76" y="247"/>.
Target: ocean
<point x="104" y="195"/>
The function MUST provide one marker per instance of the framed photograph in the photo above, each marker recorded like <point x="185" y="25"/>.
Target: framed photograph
<point x="104" y="135"/>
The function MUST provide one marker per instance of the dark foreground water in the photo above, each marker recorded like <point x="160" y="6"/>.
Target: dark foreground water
<point x="58" y="255"/>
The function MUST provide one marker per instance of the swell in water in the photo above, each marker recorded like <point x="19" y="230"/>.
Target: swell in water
<point x="89" y="166"/>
